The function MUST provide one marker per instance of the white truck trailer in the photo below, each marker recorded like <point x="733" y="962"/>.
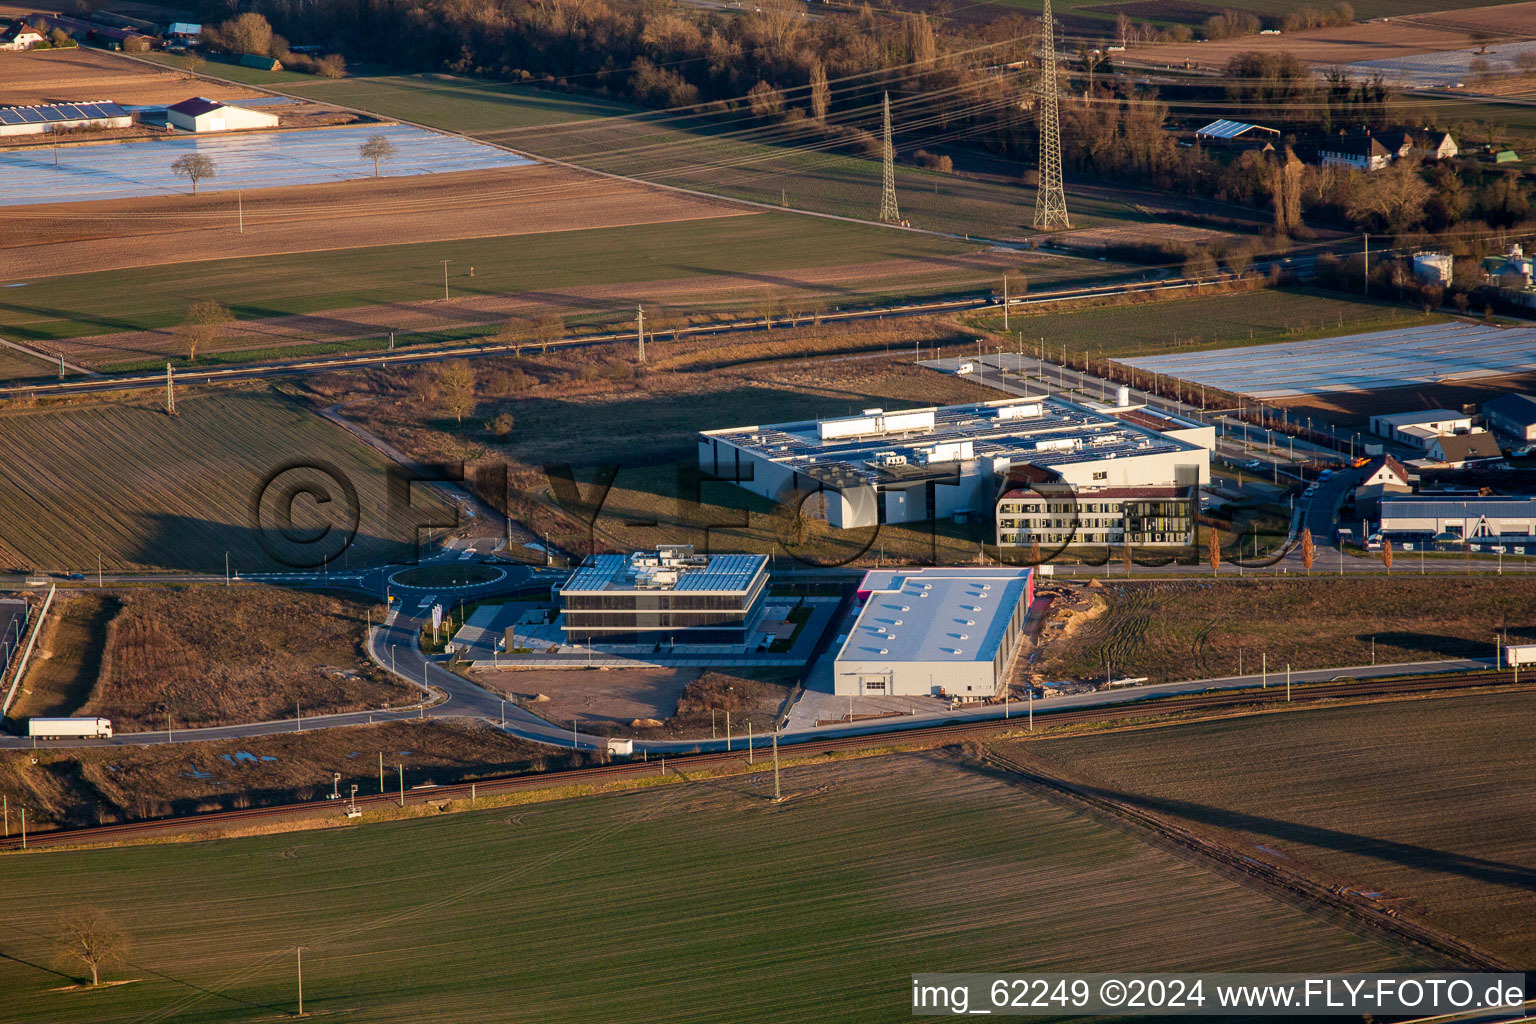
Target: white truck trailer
<point x="1520" y="654"/>
<point x="69" y="728"/>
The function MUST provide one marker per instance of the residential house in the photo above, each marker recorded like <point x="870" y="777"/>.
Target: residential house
<point x="1361" y="152"/>
<point x="1456" y="450"/>
<point x="1383" y="475"/>
<point x="20" y="37"/>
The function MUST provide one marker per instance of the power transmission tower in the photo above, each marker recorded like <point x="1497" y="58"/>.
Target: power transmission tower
<point x="640" y="330"/>
<point x="888" y="212"/>
<point x="1050" y="197"/>
<point x="170" y="390"/>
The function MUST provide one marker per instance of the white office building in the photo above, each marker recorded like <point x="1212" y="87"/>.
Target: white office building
<point x="918" y="464"/>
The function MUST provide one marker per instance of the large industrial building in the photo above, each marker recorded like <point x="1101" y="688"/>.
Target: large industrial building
<point x="918" y="464"/>
<point x="669" y="595"/>
<point x="1420" y="428"/>
<point x="1139" y="516"/>
<point x="1480" y="522"/>
<point x="944" y="632"/>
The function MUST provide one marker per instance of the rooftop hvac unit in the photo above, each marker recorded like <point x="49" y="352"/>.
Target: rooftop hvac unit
<point x="890" y="459"/>
<point x="1122" y="396"/>
<point x="873" y="412"/>
<point x="1019" y="412"/>
<point x="949" y="451"/>
<point x="1058" y="444"/>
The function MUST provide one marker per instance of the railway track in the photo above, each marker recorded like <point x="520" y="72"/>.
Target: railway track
<point x="937" y="735"/>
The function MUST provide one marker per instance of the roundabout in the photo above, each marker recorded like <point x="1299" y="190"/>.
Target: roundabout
<point x="446" y="577"/>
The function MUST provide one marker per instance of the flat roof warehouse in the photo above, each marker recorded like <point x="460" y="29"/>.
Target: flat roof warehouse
<point x="1046" y="431"/>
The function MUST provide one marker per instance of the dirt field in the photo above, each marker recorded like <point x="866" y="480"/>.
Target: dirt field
<point x="72" y="238"/>
<point x="1506" y="21"/>
<point x="1186" y="630"/>
<point x="1367" y="41"/>
<point x="436" y="315"/>
<point x="212" y="655"/>
<point x="627" y="701"/>
<point x="52" y="76"/>
<point x="88" y="787"/>
<point x="1355" y="408"/>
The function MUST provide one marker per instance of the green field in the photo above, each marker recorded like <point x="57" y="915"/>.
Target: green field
<point x="1193" y="323"/>
<point x="692" y="902"/>
<point x="1426" y="802"/>
<point x="142" y="489"/>
<point x="738" y="159"/>
<point x="268" y="286"/>
<point x="1186" y="630"/>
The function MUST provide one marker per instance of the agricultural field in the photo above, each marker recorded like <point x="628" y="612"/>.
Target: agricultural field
<point x="84" y="73"/>
<point x="1186" y="630"/>
<point x="1097" y="17"/>
<point x="1432" y="813"/>
<point x="1191" y="323"/>
<point x="718" y="262"/>
<point x="1021" y="884"/>
<point x="774" y="165"/>
<point x="83" y="787"/>
<point x="181" y="491"/>
<point x="74" y="238"/>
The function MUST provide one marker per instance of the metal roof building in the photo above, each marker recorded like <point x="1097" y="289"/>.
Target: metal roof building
<point x="47" y="117"/>
<point x="1513" y="415"/>
<point x="1228" y="131"/>
<point x="919" y="464"/>
<point x="945" y="632"/>
<point x="1509" y="521"/>
<point x="669" y="594"/>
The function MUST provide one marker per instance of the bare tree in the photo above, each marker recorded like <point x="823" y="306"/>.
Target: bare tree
<point x="456" y="381"/>
<point x="1386" y="554"/>
<point x="377" y="148"/>
<point x="93" y="938"/>
<point x="206" y="322"/>
<point x="194" y="167"/>
<point x="1035" y="556"/>
<point x="1213" y="549"/>
<point x="1308" y="550"/>
<point x="821" y="93"/>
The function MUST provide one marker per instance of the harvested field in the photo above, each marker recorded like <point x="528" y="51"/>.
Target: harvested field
<point x="52" y="76"/>
<point x="653" y="896"/>
<point x="1506" y="21"/>
<point x="1425" y="804"/>
<point x="88" y="787"/>
<point x="1187" y="630"/>
<point x="180" y="490"/>
<point x="216" y="655"/>
<point x="75" y="238"/>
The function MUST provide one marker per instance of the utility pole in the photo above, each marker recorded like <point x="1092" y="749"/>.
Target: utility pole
<point x="299" y="951"/>
<point x="381" y="773"/>
<point x="445" y="279"/>
<point x="402" y="782"/>
<point x="240" y="206"/>
<point x="1365" y="277"/>
<point x="1050" y="195"/>
<point x="776" y="795"/>
<point x="749" y="741"/>
<point x="1031" y="707"/>
<point x="170" y="390"/>
<point x="298" y="716"/>
<point x="727" y="730"/>
<point x="640" y="331"/>
<point x="1264" y="671"/>
<point x="1287" y="683"/>
<point x="889" y="214"/>
<point x="1005" y="302"/>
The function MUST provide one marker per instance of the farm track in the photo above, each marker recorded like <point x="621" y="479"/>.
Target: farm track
<point x="925" y="737"/>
